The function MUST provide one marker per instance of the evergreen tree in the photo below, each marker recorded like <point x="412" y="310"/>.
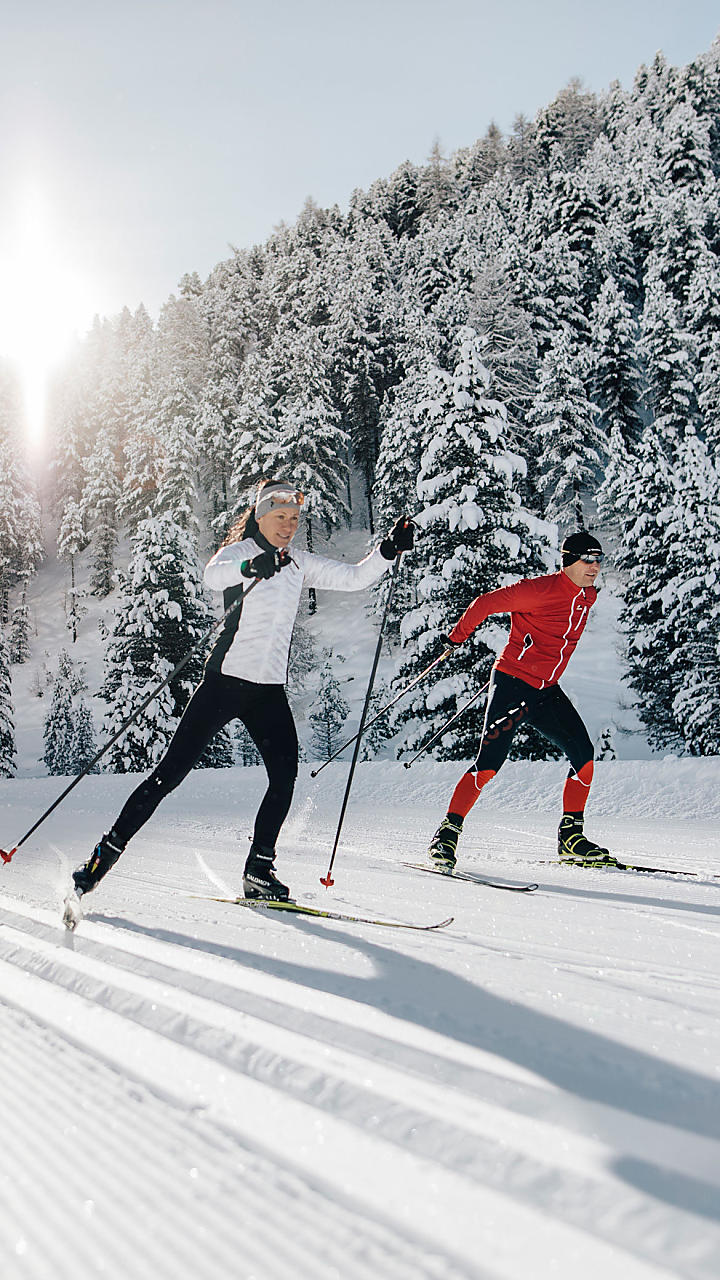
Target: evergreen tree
<point x="640" y="488"/>
<point x="247" y="753"/>
<point x="19" y="638"/>
<point x="72" y="539"/>
<point x="691" y="596"/>
<point x="161" y="613"/>
<point x="570" y="446"/>
<point x="68" y="734"/>
<point x="709" y="396"/>
<point x="311" y="447"/>
<point x="375" y="738"/>
<point x="8" y="750"/>
<point x="669" y="357"/>
<point x="99" y="512"/>
<point x="616" y="381"/>
<point x="329" y="713"/>
<point x="475" y="536"/>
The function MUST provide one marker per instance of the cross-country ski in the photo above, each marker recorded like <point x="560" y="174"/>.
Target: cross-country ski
<point x="471" y="878"/>
<point x="303" y="909"/>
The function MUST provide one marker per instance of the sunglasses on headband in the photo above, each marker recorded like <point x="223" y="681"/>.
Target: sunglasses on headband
<point x="286" y="497"/>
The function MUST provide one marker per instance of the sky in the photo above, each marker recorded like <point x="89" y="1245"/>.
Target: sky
<point x="141" y="140"/>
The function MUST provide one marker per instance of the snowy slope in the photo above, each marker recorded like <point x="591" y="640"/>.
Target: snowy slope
<point x="192" y="1090"/>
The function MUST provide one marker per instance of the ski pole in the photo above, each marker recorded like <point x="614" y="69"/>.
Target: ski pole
<point x="327" y="880"/>
<point x="445" y="654"/>
<point x="88" y="768"/>
<point x="440" y="732"/>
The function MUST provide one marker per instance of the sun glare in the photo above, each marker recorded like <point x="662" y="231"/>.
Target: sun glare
<point x="43" y="304"/>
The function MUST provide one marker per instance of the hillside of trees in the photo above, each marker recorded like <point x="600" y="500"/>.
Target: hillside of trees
<point x="510" y="342"/>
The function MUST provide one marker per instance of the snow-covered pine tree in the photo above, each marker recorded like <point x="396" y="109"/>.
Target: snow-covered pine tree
<point x="509" y="346"/>
<point x="475" y="536"/>
<point x="160" y="614"/>
<point x="19" y="634"/>
<point x="311" y="447"/>
<point x="254" y="436"/>
<point x="99" y="512"/>
<point x="709" y="396"/>
<point x="329" y="713"/>
<point x="8" y="749"/>
<point x="377" y="735"/>
<point x="567" y="128"/>
<point x="570" y="447"/>
<point x="72" y="539"/>
<point x="685" y="156"/>
<point x="691" y="598"/>
<point x="640" y="488"/>
<point x="616" y="385"/>
<point x="668" y="353"/>
<point x="605" y="745"/>
<point x="20" y="536"/>
<point x="361" y="364"/>
<point x="68" y="734"/>
<point x="246" y="751"/>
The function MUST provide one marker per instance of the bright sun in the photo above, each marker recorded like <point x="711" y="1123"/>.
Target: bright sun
<point x="43" y="303"/>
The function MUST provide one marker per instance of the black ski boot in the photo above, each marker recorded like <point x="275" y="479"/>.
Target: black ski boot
<point x="573" y="845"/>
<point x="443" y="846"/>
<point x="103" y="857"/>
<point x="259" y="879"/>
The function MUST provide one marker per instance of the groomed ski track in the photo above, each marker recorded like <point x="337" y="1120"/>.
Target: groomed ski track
<point x="189" y="1091"/>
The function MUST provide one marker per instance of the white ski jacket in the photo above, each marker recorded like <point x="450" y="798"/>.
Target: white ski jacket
<point x="257" y="649"/>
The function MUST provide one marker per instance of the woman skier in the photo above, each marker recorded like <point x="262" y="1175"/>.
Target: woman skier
<point x="548" y="616"/>
<point x="245" y="675"/>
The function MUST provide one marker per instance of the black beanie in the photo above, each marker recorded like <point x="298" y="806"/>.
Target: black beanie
<point x="577" y="545"/>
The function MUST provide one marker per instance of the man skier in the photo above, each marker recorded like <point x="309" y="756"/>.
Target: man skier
<point x="548" y="616"/>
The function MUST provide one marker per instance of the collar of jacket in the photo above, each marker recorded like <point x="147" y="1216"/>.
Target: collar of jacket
<point x="263" y="542"/>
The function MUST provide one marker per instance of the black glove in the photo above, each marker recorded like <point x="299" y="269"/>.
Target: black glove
<point x="447" y="643"/>
<point x="400" y="538"/>
<point x="266" y="565"/>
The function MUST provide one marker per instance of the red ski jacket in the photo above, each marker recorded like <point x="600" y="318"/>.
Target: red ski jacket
<point x="548" y="617"/>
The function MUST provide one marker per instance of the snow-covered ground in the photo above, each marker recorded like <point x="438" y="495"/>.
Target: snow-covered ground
<point x="193" y="1090"/>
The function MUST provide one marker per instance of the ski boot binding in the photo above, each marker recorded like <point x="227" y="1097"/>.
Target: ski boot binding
<point x="259" y="879"/>
<point x="103" y="857"/>
<point x="443" y="846"/>
<point x="574" y="847"/>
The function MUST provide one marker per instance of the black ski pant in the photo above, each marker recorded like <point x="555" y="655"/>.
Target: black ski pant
<point x="512" y="702"/>
<point x="264" y="710"/>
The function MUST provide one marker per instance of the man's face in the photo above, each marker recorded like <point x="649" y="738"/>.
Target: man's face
<point x="582" y="573"/>
<point x="279" y="525"/>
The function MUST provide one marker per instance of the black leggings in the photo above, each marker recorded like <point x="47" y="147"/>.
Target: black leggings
<point x="512" y="702"/>
<point x="264" y="710"/>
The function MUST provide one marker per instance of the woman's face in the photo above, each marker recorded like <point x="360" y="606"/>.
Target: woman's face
<point x="279" y="525"/>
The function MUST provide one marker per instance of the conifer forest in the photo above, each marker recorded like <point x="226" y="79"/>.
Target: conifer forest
<point x="509" y="343"/>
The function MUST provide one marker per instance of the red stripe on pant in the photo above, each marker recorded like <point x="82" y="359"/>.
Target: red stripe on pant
<point x="467" y="791"/>
<point x="577" y="789"/>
